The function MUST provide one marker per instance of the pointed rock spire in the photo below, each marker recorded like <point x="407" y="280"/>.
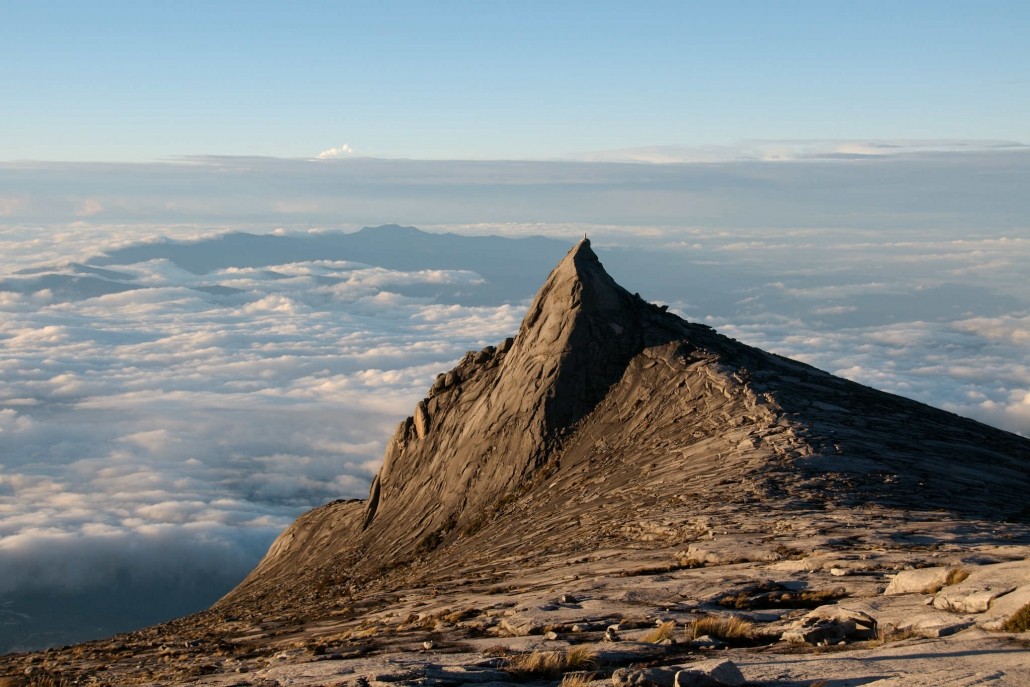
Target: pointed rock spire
<point x="577" y="335"/>
<point x="491" y="422"/>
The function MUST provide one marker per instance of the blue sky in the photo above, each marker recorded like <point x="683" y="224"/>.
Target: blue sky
<point x="136" y="81"/>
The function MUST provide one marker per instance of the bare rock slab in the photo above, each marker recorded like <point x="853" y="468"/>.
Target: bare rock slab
<point x="1004" y="608"/>
<point x="985" y="584"/>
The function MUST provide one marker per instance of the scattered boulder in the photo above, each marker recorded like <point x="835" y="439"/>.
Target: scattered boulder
<point x="644" y="677"/>
<point x="935" y="624"/>
<point x="978" y="592"/>
<point x="714" y="673"/>
<point x="522" y="625"/>
<point x="1004" y="608"/>
<point x="919" y="581"/>
<point x="830" y="625"/>
<point x="707" y="642"/>
<point x="971" y="598"/>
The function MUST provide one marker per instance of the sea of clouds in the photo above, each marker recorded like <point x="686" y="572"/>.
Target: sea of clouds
<point x="160" y="425"/>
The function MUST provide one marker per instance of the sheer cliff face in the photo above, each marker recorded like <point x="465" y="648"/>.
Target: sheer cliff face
<point x="488" y="424"/>
<point x="604" y="408"/>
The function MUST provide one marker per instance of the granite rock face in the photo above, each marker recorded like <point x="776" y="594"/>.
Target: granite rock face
<point x="603" y="398"/>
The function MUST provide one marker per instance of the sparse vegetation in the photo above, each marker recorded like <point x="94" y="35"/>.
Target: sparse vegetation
<point x="578" y="679"/>
<point x="454" y="617"/>
<point x="664" y="631"/>
<point x="1019" y="622"/>
<point x="955" y="575"/>
<point x="729" y="629"/>
<point x="788" y="552"/>
<point x="45" y="678"/>
<point x="892" y="634"/>
<point x="550" y="663"/>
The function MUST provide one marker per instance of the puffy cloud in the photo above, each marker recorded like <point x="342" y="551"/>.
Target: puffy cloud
<point x="342" y="151"/>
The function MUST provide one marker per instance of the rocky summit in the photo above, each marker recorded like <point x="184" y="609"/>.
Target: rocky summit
<point x="618" y="496"/>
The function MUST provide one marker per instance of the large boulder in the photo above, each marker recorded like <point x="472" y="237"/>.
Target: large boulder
<point x="714" y="673"/>
<point x="644" y="677"/>
<point x="919" y="581"/>
<point x="830" y="625"/>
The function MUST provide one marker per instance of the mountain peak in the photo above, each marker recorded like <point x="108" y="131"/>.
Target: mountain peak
<point x="604" y="401"/>
<point x="578" y="286"/>
<point x="488" y="425"/>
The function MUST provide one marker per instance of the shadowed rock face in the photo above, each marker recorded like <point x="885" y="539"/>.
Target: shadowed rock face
<point x="488" y="424"/>
<point x="602" y="409"/>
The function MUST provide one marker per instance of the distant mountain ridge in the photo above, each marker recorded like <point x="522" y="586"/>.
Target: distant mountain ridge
<point x="511" y="267"/>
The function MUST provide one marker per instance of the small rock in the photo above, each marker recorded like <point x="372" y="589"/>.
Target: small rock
<point x="611" y="635"/>
<point x="838" y="572"/>
<point x="427" y="645"/>
<point x="710" y="674"/>
<point x="644" y="677"/>
<point x="568" y="599"/>
<point x="521" y="625"/>
<point x="707" y="642"/>
<point x="551" y="636"/>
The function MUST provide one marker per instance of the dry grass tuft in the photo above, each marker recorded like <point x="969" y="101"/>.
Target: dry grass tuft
<point x="1019" y="622"/>
<point x="576" y="680"/>
<point x="893" y="634"/>
<point x="550" y="663"/>
<point x="729" y="629"/>
<point x="45" y="678"/>
<point x="500" y="650"/>
<point x="457" y="616"/>
<point x="664" y="631"/>
<point x="580" y="658"/>
<point x="956" y="575"/>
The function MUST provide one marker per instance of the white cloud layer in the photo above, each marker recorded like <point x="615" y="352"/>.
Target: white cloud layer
<point x="161" y="425"/>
